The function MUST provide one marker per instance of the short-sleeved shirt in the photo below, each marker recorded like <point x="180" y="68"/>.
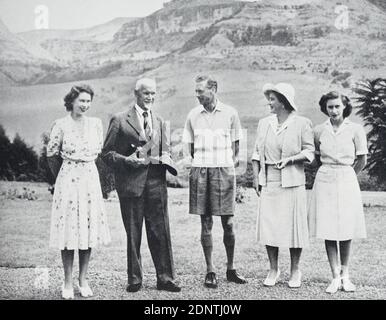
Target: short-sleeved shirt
<point x="340" y="147"/>
<point x="74" y="142"/>
<point x="212" y="134"/>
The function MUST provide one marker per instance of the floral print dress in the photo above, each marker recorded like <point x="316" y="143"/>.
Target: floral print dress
<point x="78" y="218"/>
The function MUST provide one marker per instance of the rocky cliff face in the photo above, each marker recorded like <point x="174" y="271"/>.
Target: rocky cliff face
<point x="179" y="16"/>
<point x="298" y="35"/>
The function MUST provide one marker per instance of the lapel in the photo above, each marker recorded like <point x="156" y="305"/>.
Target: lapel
<point x="288" y="134"/>
<point x="265" y="133"/>
<point x="133" y="121"/>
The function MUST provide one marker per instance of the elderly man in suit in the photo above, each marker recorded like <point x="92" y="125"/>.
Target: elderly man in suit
<point x="137" y="148"/>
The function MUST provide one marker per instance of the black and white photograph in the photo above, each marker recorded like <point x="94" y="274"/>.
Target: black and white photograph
<point x="217" y="152"/>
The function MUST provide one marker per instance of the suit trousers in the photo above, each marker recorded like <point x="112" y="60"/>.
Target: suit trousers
<point x="152" y="207"/>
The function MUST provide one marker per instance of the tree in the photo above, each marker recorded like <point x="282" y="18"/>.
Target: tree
<point x="6" y="172"/>
<point x="372" y="108"/>
<point x="45" y="173"/>
<point x="24" y="160"/>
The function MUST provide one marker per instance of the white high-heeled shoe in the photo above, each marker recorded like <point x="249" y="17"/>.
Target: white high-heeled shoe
<point x="85" y="292"/>
<point x="269" y="282"/>
<point x="347" y="285"/>
<point x="335" y="285"/>
<point x="296" y="283"/>
<point x="67" y="294"/>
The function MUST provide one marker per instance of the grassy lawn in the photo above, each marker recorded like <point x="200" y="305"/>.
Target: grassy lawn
<point x="24" y="233"/>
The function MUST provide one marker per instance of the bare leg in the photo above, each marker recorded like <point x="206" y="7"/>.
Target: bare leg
<point x="332" y="254"/>
<point x="273" y="256"/>
<point x="207" y="241"/>
<point x="68" y="261"/>
<point x="344" y="247"/>
<point x="84" y="258"/>
<point x="229" y="240"/>
<point x="295" y="254"/>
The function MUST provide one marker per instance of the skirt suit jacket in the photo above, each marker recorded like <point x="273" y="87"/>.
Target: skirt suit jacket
<point x="299" y="138"/>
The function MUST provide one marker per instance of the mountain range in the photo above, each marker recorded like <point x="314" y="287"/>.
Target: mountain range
<point x="244" y="44"/>
<point x="195" y="29"/>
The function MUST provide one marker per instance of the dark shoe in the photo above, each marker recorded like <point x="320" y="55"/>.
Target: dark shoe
<point x="211" y="280"/>
<point x="168" y="286"/>
<point x="233" y="276"/>
<point x="134" y="287"/>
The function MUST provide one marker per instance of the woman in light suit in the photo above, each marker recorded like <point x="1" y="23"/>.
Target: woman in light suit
<point x="284" y="142"/>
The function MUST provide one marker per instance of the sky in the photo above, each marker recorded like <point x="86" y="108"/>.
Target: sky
<point x="20" y="15"/>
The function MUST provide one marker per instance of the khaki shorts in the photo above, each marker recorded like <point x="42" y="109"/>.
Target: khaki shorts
<point x="212" y="191"/>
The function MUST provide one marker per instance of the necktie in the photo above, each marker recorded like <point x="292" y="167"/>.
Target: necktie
<point x="146" y="125"/>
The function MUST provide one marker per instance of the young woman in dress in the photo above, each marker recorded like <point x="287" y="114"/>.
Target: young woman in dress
<point x="336" y="211"/>
<point x="284" y="142"/>
<point x="78" y="220"/>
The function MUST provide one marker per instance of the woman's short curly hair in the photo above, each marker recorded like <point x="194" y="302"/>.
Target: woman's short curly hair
<point x="335" y="95"/>
<point x="74" y="93"/>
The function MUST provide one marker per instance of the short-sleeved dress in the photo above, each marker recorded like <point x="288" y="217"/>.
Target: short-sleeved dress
<point x="335" y="209"/>
<point x="78" y="219"/>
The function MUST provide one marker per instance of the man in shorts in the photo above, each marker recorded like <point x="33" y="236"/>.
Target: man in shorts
<point x="212" y="131"/>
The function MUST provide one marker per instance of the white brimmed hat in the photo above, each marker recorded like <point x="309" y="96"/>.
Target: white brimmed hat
<point x="285" y="89"/>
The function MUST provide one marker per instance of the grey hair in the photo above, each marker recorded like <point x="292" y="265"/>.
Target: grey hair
<point x="210" y="81"/>
<point x="143" y="82"/>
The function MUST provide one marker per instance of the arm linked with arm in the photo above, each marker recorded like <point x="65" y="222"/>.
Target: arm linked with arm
<point x="109" y="153"/>
<point x="54" y="163"/>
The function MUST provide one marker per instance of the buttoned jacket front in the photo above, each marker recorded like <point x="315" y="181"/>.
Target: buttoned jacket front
<point x="298" y="138"/>
<point x="124" y="136"/>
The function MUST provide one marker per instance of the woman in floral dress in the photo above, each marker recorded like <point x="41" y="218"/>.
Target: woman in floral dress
<point x="78" y="219"/>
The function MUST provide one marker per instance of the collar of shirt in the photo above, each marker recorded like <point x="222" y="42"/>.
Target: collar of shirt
<point x="218" y="107"/>
<point x="274" y="123"/>
<point x="344" y="124"/>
